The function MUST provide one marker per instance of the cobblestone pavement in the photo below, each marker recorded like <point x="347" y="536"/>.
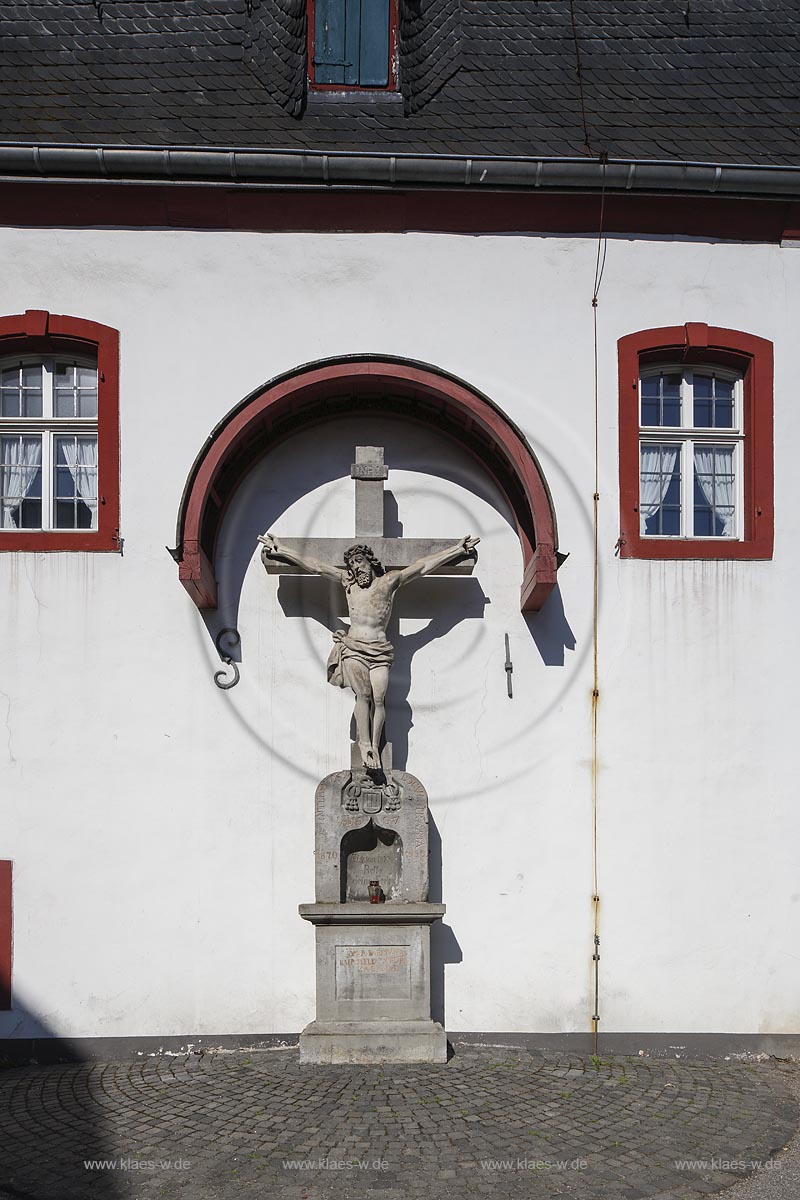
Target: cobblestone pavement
<point x="493" y="1122"/>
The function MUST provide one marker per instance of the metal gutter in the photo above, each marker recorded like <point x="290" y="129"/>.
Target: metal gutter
<point x="222" y="166"/>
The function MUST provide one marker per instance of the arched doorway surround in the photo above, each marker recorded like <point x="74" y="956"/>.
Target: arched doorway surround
<point x="343" y="387"/>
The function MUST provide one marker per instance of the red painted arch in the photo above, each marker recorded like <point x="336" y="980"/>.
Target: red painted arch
<point x="342" y="387"/>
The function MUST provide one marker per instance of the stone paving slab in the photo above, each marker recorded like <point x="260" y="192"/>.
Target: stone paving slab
<point x="493" y="1122"/>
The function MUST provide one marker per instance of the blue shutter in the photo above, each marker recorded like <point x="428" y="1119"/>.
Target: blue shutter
<point x="374" y="43"/>
<point x="329" y="41"/>
<point x="351" y="42"/>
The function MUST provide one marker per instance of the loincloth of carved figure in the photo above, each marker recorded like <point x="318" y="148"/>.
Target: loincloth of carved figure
<point x="346" y="650"/>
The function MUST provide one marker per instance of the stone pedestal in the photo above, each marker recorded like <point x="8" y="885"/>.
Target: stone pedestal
<point x="373" y="984"/>
<point x="373" y="960"/>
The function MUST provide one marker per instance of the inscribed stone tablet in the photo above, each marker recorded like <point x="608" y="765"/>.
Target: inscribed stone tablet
<point x="372" y="973"/>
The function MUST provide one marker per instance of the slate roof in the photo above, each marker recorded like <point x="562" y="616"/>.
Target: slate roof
<point x="691" y="80"/>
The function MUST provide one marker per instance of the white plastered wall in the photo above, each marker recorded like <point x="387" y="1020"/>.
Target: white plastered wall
<point x="162" y="830"/>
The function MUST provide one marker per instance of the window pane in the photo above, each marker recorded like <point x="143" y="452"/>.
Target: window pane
<point x="651" y="395"/>
<point x="671" y="400"/>
<point x="723" y="414"/>
<point x="75" y="482"/>
<point x="703" y="386"/>
<point x="31" y="380"/>
<point x="85" y="516"/>
<point x="64" y="390"/>
<point x="34" y="483"/>
<point x="714" y="491"/>
<point x="21" y="391"/>
<point x="65" y="484"/>
<point x="29" y="514"/>
<point x="64" y="402"/>
<point x="75" y="390"/>
<point x="32" y="403"/>
<point x="86" y="382"/>
<point x="713" y="402"/>
<point x="661" y="400"/>
<point x="65" y="514"/>
<point x="20" y="482"/>
<point x="87" y="403"/>
<point x="660" y="489"/>
<point x="10" y="402"/>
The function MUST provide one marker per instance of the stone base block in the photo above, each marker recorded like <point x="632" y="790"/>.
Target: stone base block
<point x="336" y="1042"/>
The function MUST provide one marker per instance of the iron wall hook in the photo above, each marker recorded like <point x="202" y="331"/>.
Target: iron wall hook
<point x="234" y="640"/>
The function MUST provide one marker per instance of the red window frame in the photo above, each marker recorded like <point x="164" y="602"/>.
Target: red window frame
<point x="391" y="86"/>
<point x="697" y="343"/>
<point x="38" y="332"/>
<point x="6" y="935"/>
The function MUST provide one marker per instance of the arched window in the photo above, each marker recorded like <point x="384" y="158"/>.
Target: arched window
<point x="59" y="434"/>
<point x="695" y="444"/>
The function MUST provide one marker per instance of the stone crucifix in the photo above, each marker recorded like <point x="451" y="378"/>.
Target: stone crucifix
<point x="370" y="573"/>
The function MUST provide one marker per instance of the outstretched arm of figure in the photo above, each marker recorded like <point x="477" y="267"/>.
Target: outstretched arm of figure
<point x="273" y="551"/>
<point x="424" y="566"/>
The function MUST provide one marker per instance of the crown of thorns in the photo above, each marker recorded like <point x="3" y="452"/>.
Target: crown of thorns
<point x="363" y="552"/>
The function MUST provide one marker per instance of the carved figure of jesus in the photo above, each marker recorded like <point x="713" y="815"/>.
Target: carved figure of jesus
<point x="362" y="655"/>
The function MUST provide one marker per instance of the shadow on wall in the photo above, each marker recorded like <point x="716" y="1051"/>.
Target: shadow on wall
<point x="52" y="1125"/>
<point x="444" y="945"/>
<point x="551" y="630"/>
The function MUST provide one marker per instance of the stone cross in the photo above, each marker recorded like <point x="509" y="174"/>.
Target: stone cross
<point x="369" y="472"/>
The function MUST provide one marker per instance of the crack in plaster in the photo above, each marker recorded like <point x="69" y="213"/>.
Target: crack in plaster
<point x="39" y="606"/>
<point x="7" y="699"/>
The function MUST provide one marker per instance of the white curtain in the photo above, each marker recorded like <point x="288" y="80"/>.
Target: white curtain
<point x="16" y="480"/>
<point x="713" y="467"/>
<point x="657" y="465"/>
<point x="81" y="456"/>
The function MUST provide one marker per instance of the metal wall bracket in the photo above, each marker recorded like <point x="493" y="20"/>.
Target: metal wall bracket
<point x="233" y="641"/>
